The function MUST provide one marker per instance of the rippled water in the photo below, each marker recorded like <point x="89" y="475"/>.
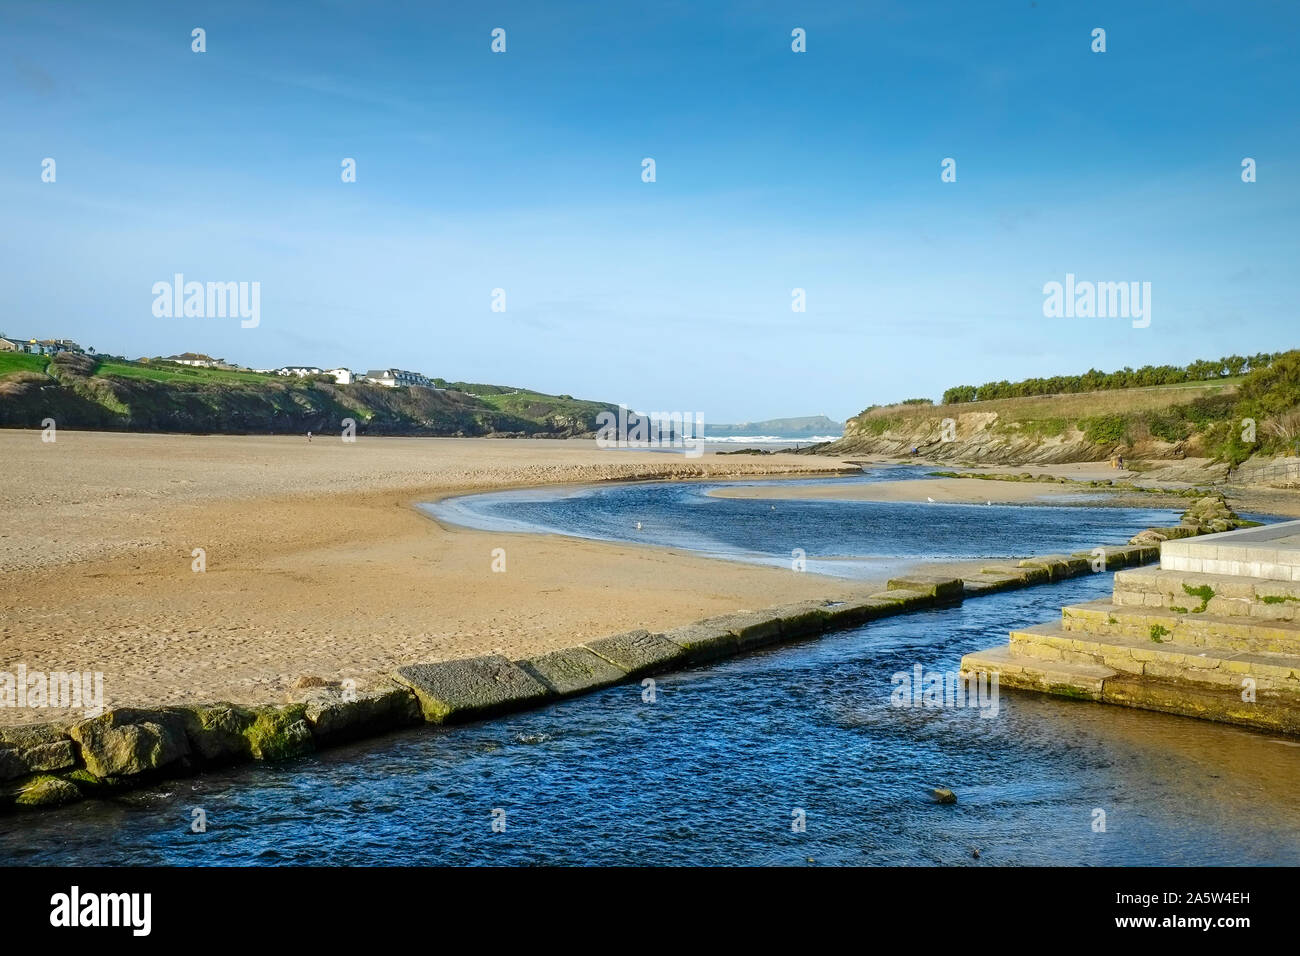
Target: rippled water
<point x="842" y="538"/>
<point x="712" y="770"/>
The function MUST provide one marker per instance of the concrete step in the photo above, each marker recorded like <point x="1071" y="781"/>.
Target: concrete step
<point x="1221" y="595"/>
<point x="1196" y="630"/>
<point x="1271" y="711"/>
<point x="1066" y="678"/>
<point x="1161" y="659"/>
<point x="1271" y="552"/>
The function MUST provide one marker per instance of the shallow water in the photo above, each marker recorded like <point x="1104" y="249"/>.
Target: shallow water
<point x="842" y="538"/>
<point x="713" y="770"/>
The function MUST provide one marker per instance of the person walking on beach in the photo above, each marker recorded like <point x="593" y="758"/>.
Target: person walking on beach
<point x="309" y="438"/>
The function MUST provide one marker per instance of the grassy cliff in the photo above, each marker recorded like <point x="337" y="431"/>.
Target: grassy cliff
<point x="1195" y="419"/>
<point x="80" y="391"/>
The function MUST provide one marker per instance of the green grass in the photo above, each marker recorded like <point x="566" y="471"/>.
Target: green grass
<point x="528" y="404"/>
<point x="165" y="372"/>
<point x="22" y="362"/>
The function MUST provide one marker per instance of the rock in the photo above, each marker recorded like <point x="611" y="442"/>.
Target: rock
<point x="334" y="716"/>
<point x="1147" y="538"/>
<point x="940" y="587"/>
<point x="35" y="748"/>
<point x="126" y="741"/>
<point x="56" y="755"/>
<point x="218" y="732"/>
<point x="313" y="681"/>
<point x="943" y="795"/>
<point x="46" y="792"/>
<point x="278" y="733"/>
<point x="33" y="735"/>
<point x="574" y="670"/>
<point x="472" y="687"/>
<point x="12" y="764"/>
<point x="638" y="652"/>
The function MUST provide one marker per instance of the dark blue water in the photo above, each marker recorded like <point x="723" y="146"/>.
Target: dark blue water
<point x="711" y="772"/>
<point x="842" y="538"/>
<point x="713" y="769"/>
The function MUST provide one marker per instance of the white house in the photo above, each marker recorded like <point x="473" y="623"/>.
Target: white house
<point x="301" y="371"/>
<point x="342" y="376"/>
<point x="393" y="377"/>
<point x="197" y="359"/>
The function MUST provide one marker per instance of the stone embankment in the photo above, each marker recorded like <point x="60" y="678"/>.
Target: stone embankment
<point x="52" y="764"/>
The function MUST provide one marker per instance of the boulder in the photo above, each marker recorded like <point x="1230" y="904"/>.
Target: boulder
<point x="943" y="795"/>
<point x="46" y="791"/>
<point x="279" y="733"/>
<point x="334" y="714"/>
<point x="35" y="748"/>
<point x="127" y="741"/>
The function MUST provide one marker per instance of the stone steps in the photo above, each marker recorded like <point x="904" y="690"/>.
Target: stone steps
<point x="1066" y="678"/>
<point x="1271" y="711"/>
<point x="1144" y="657"/>
<point x="1198" y="630"/>
<point x="1220" y="595"/>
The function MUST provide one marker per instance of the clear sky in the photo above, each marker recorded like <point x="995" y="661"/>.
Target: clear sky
<point x="775" y="170"/>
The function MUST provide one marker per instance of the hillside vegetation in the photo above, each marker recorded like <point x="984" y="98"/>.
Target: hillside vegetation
<point x="1205" y="419"/>
<point x="1229" y="368"/>
<point x="101" y="392"/>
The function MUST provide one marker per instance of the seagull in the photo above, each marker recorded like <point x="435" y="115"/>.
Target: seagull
<point x="638" y="526"/>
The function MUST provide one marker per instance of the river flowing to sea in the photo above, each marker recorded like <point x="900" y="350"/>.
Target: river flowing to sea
<point x="717" y="767"/>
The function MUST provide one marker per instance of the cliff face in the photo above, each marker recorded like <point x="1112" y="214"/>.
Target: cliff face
<point x="989" y="437"/>
<point x="71" y="393"/>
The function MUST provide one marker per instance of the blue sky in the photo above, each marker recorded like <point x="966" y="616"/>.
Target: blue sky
<point x="775" y="170"/>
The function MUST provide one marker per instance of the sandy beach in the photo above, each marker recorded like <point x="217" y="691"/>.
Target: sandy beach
<point x="318" y="563"/>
